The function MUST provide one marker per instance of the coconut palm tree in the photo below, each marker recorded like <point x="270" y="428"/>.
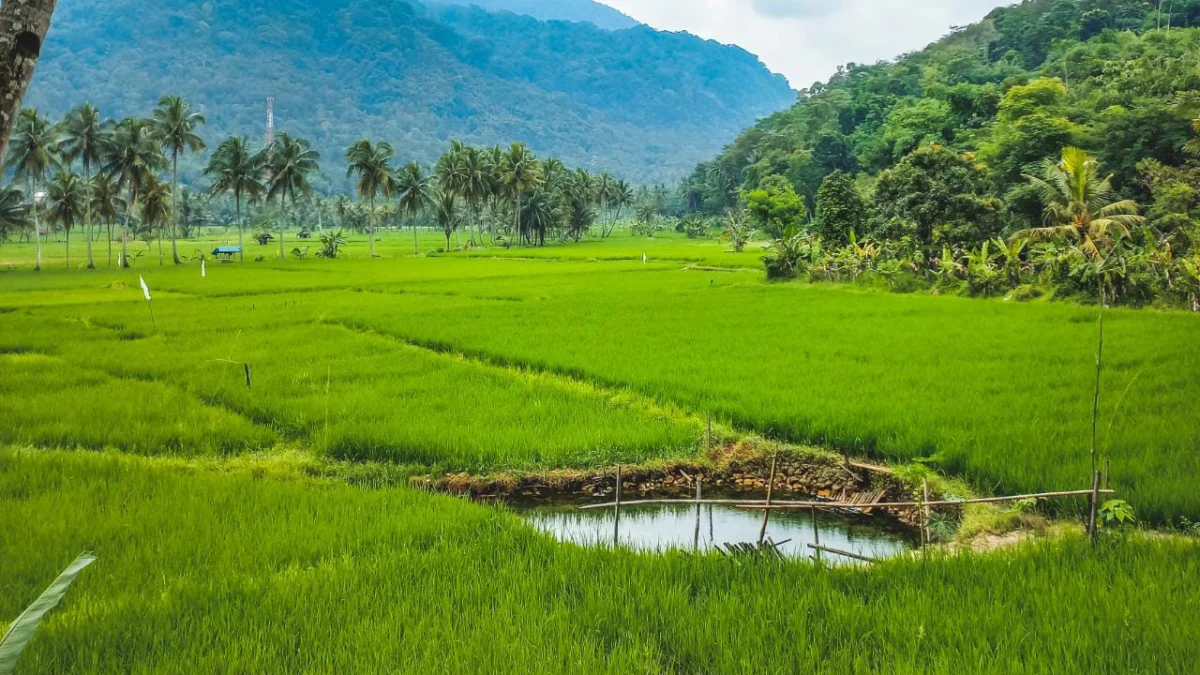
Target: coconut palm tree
<point x="133" y="155"/>
<point x="372" y="165"/>
<point x="476" y="186"/>
<point x="520" y="171"/>
<point x="621" y="198"/>
<point x="290" y="162"/>
<point x="84" y="135"/>
<point x="66" y="204"/>
<point x="175" y="127"/>
<point x="416" y="195"/>
<point x="235" y="169"/>
<point x="447" y="213"/>
<point x="538" y="214"/>
<point x="157" y="208"/>
<point x="605" y="187"/>
<point x="104" y="203"/>
<point x="1078" y="206"/>
<point x="14" y="212"/>
<point x="33" y="151"/>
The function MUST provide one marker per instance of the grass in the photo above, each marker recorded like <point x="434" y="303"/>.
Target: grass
<point x="570" y="357"/>
<point x="203" y="571"/>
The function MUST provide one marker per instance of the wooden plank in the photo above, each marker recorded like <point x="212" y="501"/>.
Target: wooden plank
<point x="847" y="554"/>
<point x="760" y="504"/>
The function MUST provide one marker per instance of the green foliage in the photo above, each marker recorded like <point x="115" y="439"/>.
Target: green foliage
<point x="20" y="633"/>
<point x="840" y="209"/>
<point x="774" y="206"/>
<point x="1117" y="512"/>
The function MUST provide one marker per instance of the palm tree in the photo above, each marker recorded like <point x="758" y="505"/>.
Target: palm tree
<point x="235" y="169"/>
<point x="132" y="155"/>
<point x="416" y="195"/>
<point x="372" y="165"/>
<point x="105" y="203"/>
<point x="538" y="214"/>
<point x="605" y="188"/>
<point x="14" y="212"/>
<point x="621" y="197"/>
<point x="476" y="186"/>
<point x="290" y="161"/>
<point x="1078" y="207"/>
<point x="33" y="150"/>
<point x="446" y="212"/>
<point x="67" y="198"/>
<point x="83" y="138"/>
<point x="175" y="126"/>
<point x="520" y="172"/>
<point x="157" y="208"/>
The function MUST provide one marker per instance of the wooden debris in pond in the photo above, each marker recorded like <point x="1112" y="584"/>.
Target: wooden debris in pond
<point x="855" y="556"/>
<point x="765" y="549"/>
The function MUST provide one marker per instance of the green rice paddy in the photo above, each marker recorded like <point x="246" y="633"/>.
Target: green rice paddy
<point x="220" y="551"/>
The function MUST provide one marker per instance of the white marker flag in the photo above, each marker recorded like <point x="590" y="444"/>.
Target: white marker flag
<point x="145" y="288"/>
<point x="202" y="272"/>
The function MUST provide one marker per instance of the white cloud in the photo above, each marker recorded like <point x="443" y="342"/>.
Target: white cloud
<point x="806" y="40"/>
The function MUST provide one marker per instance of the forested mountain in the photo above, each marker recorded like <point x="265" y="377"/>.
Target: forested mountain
<point x="556" y="10"/>
<point x="645" y="104"/>
<point x="938" y="143"/>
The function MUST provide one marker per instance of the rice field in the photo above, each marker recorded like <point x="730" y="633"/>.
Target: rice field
<point x="227" y="571"/>
<point x="480" y="362"/>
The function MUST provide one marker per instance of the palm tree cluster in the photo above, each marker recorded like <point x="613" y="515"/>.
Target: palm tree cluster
<point x="493" y="194"/>
<point x="119" y="179"/>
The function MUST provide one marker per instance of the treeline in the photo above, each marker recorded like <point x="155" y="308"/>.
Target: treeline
<point x="87" y="172"/>
<point x="942" y="151"/>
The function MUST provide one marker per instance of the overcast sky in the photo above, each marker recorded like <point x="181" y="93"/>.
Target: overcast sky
<point x="806" y="40"/>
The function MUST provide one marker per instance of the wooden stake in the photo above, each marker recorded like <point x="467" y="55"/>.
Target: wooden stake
<point x="762" y="532"/>
<point x="1094" y="504"/>
<point x="699" y="490"/>
<point x="617" y="509"/>
<point x="249" y="383"/>
<point x="816" y="545"/>
<point x="924" y="514"/>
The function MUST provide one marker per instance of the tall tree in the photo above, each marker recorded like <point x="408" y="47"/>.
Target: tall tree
<point x="446" y="212"/>
<point x="23" y="26"/>
<point x="290" y="162"/>
<point x="175" y="125"/>
<point x="133" y="156"/>
<point x="520" y="171"/>
<point x="372" y="165"/>
<point x="416" y="195"/>
<point x="1079" y="206"/>
<point x="234" y="169"/>
<point x="33" y="151"/>
<point x="156" y="208"/>
<point x="84" y="135"/>
<point x="66" y="204"/>
<point x="476" y="185"/>
<point x="104" y="204"/>
<point x="621" y="198"/>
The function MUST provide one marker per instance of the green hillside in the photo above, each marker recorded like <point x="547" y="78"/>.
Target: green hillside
<point x="1118" y="78"/>
<point x="588" y="11"/>
<point x="645" y="104"/>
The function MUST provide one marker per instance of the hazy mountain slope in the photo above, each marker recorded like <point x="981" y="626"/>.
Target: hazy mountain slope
<point x="555" y="10"/>
<point x="643" y="103"/>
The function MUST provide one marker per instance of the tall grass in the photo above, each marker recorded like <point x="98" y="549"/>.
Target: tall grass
<point x="207" y="572"/>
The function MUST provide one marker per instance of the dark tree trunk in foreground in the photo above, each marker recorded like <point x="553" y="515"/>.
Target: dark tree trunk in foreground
<point x="23" y="26"/>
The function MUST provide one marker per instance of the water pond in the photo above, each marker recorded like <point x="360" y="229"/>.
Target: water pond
<point x="674" y="526"/>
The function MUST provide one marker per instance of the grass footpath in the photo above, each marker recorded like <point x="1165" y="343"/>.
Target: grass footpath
<point x="202" y="571"/>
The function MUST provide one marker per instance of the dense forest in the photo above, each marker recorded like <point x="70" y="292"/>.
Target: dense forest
<point x="587" y="11"/>
<point x="946" y="153"/>
<point x="645" y="103"/>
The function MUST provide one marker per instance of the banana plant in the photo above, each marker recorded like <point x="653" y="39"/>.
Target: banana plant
<point x="21" y="631"/>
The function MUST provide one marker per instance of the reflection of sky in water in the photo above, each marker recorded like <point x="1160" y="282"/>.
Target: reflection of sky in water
<point x="652" y="528"/>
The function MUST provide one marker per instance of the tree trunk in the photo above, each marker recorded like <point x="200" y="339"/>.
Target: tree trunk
<point x="108" y="228"/>
<point x="283" y="221"/>
<point x="88" y="229"/>
<point x="416" y="246"/>
<point x="516" y="221"/>
<point x="175" y="207"/>
<point x="68" y="249"/>
<point x="241" y="244"/>
<point x="37" y="228"/>
<point x="160" y="249"/>
<point x="374" y="226"/>
<point x="23" y="26"/>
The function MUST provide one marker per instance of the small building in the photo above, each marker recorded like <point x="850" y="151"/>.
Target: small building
<point x="226" y="252"/>
<point x="265" y="238"/>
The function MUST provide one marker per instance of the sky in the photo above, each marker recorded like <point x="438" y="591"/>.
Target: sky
<point x="806" y="40"/>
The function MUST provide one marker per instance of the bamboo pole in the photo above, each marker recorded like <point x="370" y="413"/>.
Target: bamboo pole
<point x="762" y="532"/>
<point x="848" y="554"/>
<point x="617" y="509"/>
<point x="816" y="536"/>
<point x="699" y="490"/>
<point x="785" y="505"/>
<point x="1094" y="504"/>
<point x="924" y="514"/>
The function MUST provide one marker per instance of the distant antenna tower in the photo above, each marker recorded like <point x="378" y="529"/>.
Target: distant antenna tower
<point x="270" y="120"/>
